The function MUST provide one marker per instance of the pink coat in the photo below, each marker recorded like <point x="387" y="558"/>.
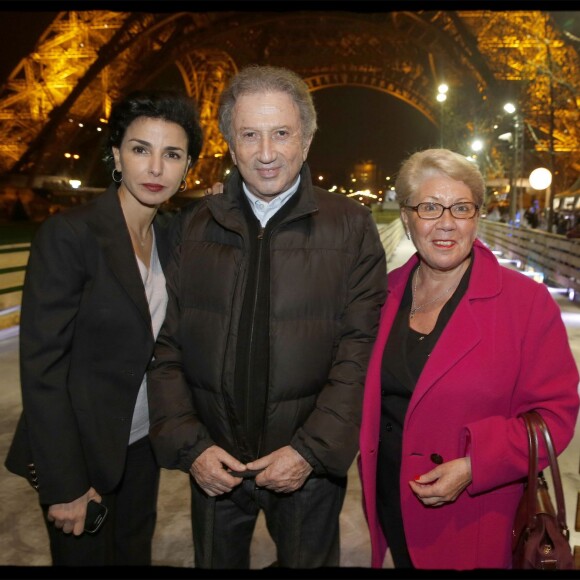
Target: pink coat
<point x="504" y="351"/>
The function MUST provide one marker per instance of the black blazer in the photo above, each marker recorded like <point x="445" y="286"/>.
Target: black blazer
<point x="86" y="340"/>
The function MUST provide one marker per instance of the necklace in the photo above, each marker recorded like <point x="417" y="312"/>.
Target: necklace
<point x="136" y="238"/>
<point x="420" y="306"/>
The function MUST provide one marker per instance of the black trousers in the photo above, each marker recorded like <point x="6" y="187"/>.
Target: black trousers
<point x="126" y="535"/>
<point x="304" y="525"/>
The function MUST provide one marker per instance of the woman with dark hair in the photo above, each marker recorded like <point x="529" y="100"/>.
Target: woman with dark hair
<point x="93" y="301"/>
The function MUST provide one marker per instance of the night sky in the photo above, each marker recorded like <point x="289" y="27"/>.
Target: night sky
<point x="355" y="124"/>
<point x="19" y="33"/>
<point x="359" y="124"/>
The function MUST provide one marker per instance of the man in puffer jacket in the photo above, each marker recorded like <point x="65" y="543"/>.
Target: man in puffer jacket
<point x="275" y="291"/>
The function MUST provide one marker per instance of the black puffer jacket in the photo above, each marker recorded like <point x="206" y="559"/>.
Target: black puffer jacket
<point x="324" y="266"/>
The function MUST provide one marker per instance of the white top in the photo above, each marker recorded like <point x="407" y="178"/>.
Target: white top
<point x="264" y="210"/>
<point x="154" y="282"/>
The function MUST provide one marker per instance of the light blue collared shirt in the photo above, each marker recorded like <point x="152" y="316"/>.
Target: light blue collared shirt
<point x="264" y="210"/>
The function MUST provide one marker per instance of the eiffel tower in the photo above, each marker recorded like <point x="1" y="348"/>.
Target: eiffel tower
<point x="86" y="59"/>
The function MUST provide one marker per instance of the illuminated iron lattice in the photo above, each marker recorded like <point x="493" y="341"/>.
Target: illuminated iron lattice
<point x="86" y="59"/>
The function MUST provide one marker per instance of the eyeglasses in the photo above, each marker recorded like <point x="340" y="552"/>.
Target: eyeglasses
<point x="463" y="210"/>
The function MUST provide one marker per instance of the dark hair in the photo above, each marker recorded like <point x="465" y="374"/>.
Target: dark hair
<point x="263" y="79"/>
<point x="168" y="105"/>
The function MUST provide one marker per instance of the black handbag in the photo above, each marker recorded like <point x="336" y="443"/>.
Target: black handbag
<point x="540" y="534"/>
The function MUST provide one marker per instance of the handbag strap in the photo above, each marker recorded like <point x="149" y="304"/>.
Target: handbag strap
<point x="540" y="425"/>
<point x="532" y="486"/>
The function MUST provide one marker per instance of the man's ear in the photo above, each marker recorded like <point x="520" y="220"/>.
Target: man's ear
<point x="305" y="149"/>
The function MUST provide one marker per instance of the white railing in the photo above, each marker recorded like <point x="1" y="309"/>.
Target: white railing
<point x="556" y="256"/>
<point x="13" y="260"/>
<point x="391" y="234"/>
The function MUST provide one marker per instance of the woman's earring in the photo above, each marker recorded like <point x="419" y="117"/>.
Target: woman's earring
<point x="408" y="234"/>
<point x="183" y="185"/>
<point x="120" y="176"/>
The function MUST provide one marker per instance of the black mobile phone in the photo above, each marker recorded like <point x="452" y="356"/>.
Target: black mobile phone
<point x="96" y="514"/>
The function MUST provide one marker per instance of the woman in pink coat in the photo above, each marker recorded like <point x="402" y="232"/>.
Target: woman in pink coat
<point x="464" y="347"/>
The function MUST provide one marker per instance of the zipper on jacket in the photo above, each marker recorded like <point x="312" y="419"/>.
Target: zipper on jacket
<point x="253" y="327"/>
<point x="261" y="235"/>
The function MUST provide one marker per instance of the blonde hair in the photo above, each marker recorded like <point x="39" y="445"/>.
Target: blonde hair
<point x="423" y="164"/>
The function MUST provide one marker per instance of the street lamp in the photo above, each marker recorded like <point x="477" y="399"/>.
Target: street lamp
<point x="509" y="108"/>
<point x="541" y="178"/>
<point x="517" y="160"/>
<point x="477" y="145"/>
<point x="72" y="157"/>
<point x="441" y="97"/>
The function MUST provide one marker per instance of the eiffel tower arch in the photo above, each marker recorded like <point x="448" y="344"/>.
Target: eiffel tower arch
<point x="85" y="60"/>
<point x="205" y="75"/>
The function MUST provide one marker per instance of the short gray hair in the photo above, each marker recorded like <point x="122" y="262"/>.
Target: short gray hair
<point x="264" y="79"/>
<point x="423" y="164"/>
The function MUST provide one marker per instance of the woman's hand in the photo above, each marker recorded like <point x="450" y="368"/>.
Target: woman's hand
<point x="70" y="517"/>
<point x="443" y="484"/>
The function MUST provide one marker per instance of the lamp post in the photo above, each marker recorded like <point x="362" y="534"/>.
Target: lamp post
<point x="476" y="145"/>
<point x="517" y="161"/>
<point x="73" y="181"/>
<point x="441" y="97"/>
<point x="541" y="178"/>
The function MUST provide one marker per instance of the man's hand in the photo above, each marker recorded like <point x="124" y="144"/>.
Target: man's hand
<point x="284" y="470"/>
<point x="70" y="517"/>
<point x="217" y="187"/>
<point x="210" y="471"/>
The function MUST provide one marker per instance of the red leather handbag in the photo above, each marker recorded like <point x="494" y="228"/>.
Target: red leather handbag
<point x="540" y="534"/>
